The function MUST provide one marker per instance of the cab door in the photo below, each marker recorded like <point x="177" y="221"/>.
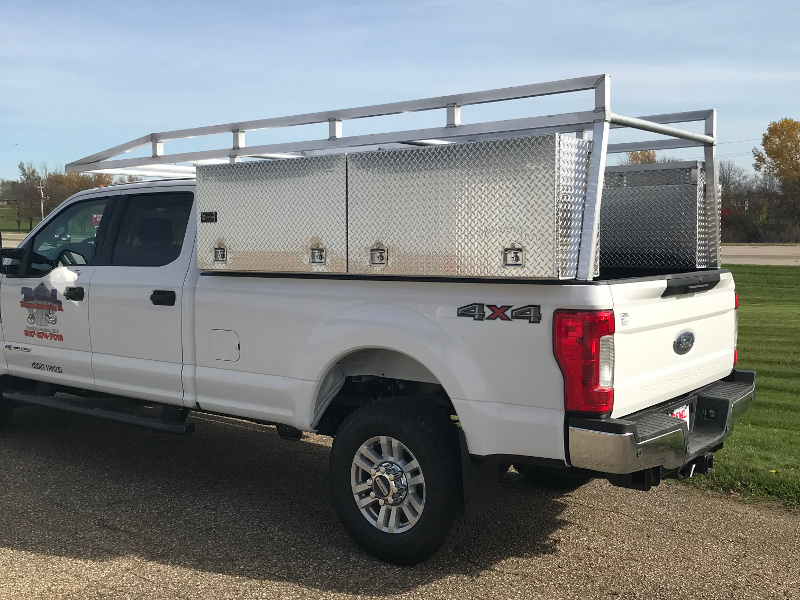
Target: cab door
<point x="45" y="303"/>
<point x="135" y="313"/>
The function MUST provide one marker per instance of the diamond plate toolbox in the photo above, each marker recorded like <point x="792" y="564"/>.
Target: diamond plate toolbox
<point x="657" y="216"/>
<point x="273" y="216"/>
<point x="502" y="208"/>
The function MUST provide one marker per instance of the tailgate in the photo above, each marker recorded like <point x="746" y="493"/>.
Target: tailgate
<point x="654" y="359"/>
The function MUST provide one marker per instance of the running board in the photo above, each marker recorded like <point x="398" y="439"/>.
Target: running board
<point x="171" y="420"/>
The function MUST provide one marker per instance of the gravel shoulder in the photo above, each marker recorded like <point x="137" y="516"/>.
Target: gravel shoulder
<point x="97" y="510"/>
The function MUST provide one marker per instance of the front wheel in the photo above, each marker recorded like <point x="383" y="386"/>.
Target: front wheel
<point x="396" y="479"/>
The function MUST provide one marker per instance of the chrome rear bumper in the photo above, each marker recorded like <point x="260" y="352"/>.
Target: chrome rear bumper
<point x="652" y="438"/>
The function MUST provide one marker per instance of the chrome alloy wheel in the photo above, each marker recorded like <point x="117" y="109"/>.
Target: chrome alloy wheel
<point x="388" y="484"/>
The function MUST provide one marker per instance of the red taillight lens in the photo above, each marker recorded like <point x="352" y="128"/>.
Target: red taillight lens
<point x="736" y="300"/>
<point x="578" y="337"/>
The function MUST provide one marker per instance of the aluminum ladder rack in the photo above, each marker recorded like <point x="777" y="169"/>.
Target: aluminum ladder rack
<point x="599" y="120"/>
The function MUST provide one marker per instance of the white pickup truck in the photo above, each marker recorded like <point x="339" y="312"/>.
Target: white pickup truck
<point x="431" y="387"/>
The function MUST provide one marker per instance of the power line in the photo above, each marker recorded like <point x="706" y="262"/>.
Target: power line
<point x="738" y="141"/>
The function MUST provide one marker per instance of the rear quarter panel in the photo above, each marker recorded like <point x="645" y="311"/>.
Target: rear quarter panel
<point x="293" y="330"/>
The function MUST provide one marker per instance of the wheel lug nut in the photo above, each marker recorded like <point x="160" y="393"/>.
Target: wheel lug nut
<point x="372" y="494"/>
<point x="383" y="469"/>
<point x="391" y="477"/>
<point x="369" y="481"/>
<point x="373" y="471"/>
<point x="380" y="502"/>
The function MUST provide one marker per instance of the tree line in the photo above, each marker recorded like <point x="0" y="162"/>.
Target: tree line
<point x="40" y="189"/>
<point x="759" y="207"/>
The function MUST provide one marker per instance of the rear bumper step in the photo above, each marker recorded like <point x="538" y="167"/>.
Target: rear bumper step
<point x="653" y="438"/>
<point x="171" y="420"/>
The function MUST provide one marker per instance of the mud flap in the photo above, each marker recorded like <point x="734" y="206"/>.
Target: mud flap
<point x="480" y="481"/>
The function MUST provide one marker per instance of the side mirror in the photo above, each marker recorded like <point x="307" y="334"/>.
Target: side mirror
<point x="9" y="268"/>
<point x="13" y="253"/>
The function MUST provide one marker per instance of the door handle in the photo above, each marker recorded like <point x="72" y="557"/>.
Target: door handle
<point x="74" y="293"/>
<point x="163" y="298"/>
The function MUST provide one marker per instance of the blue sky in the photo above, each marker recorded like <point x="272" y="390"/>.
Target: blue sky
<point x="78" y="77"/>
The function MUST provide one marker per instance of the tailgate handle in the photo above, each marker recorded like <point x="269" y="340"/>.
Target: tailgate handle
<point x="163" y="298"/>
<point x="690" y="284"/>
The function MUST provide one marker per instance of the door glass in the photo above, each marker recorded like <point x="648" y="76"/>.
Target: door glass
<point x="152" y="229"/>
<point x="68" y="238"/>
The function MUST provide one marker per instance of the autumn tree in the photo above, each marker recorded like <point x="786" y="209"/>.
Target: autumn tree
<point x="60" y="186"/>
<point x="28" y="197"/>
<point x="781" y="154"/>
<point x="639" y="157"/>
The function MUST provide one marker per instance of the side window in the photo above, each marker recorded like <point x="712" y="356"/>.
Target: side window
<point x="69" y="237"/>
<point x="152" y="229"/>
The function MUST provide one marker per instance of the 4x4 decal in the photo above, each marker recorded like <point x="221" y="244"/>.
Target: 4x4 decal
<point x="531" y="313"/>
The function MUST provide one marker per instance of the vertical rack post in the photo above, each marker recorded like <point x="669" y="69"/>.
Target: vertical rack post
<point x="238" y="144"/>
<point x="453" y="115"/>
<point x="594" y="185"/>
<point x="334" y="129"/>
<point x="712" y="184"/>
<point x="157" y="145"/>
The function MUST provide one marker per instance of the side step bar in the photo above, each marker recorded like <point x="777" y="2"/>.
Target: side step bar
<point x="171" y="420"/>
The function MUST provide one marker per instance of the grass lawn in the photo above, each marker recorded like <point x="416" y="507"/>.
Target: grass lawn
<point x="8" y="221"/>
<point x="761" y="459"/>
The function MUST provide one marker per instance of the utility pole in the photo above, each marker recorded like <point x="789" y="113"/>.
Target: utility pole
<point x="40" y="187"/>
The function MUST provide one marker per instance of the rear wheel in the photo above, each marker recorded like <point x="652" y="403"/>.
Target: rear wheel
<point x="395" y="479"/>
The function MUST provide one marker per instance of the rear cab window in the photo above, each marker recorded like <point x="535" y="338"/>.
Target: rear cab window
<point x="152" y="229"/>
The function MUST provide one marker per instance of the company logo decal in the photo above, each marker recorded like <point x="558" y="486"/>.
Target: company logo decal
<point x="43" y="307"/>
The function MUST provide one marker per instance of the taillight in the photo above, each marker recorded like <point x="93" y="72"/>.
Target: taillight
<point x="584" y="349"/>
<point x="735" y="328"/>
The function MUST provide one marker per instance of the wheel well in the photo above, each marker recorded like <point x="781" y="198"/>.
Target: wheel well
<point x="367" y="375"/>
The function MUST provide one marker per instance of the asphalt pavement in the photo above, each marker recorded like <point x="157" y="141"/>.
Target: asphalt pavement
<point x="12" y="240"/>
<point x="788" y="255"/>
<point x="91" y="509"/>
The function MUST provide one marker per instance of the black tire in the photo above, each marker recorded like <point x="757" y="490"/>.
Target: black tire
<point x="429" y="434"/>
<point x="551" y="478"/>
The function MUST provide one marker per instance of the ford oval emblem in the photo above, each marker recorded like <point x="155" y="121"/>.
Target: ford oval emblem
<point x="684" y="342"/>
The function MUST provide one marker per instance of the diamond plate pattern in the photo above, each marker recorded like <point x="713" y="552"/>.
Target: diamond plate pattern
<point x="452" y="210"/>
<point x="572" y="170"/>
<point x="665" y="176"/>
<point x="713" y="219"/>
<point x="270" y="215"/>
<point x="656" y="219"/>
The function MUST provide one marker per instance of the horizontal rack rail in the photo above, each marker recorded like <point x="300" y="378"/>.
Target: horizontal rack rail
<point x="161" y="164"/>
